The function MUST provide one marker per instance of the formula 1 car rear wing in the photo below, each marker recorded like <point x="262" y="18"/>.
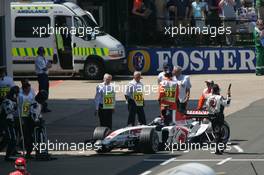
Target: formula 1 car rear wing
<point x="199" y="115"/>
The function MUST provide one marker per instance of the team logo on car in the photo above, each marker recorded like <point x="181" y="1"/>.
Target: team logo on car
<point x="138" y="60"/>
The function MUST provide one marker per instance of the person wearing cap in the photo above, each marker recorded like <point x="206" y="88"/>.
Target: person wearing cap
<point x="207" y="92"/>
<point x="105" y="101"/>
<point x="184" y="85"/>
<point x="21" y="167"/>
<point x="161" y="75"/>
<point x="215" y="105"/>
<point x="42" y="65"/>
<point x="135" y="99"/>
<point x="168" y="93"/>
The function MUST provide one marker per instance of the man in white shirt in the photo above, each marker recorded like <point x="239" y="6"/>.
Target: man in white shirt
<point x="135" y="100"/>
<point x="215" y="106"/>
<point x="161" y="75"/>
<point x="42" y="65"/>
<point x="105" y="101"/>
<point x="184" y="85"/>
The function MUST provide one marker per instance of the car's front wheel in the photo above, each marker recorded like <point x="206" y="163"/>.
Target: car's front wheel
<point x="148" y="141"/>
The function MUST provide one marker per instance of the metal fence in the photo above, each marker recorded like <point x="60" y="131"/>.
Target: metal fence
<point x="154" y="32"/>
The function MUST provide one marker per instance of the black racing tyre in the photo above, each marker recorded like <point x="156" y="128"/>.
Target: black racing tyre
<point x="100" y="133"/>
<point x="225" y="132"/>
<point x="149" y="141"/>
<point x="93" y="70"/>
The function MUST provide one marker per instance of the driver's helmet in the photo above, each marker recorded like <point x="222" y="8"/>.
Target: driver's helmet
<point x="157" y="121"/>
<point x="20" y="163"/>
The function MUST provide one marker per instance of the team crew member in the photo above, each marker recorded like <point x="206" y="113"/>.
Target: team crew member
<point x="135" y="100"/>
<point x="34" y="126"/>
<point x="161" y="75"/>
<point x="184" y="88"/>
<point x="168" y="92"/>
<point x="215" y="106"/>
<point x="207" y="92"/>
<point x="6" y="83"/>
<point x="26" y="98"/>
<point x="20" y="166"/>
<point x="8" y="111"/>
<point x="42" y="65"/>
<point x="105" y="101"/>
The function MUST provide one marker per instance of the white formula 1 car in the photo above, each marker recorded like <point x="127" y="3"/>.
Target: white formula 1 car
<point x="153" y="137"/>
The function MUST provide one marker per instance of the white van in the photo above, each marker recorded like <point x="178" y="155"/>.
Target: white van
<point x="72" y="40"/>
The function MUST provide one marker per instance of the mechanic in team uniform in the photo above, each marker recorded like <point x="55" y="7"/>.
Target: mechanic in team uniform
<point x="168" y="93"/>
<point x="105" y="101"/>
<point x="207" y="92"/>
<point x="6" y="83"/>
<point x="26" y="98"/>
<point x="135" y="99"/>
<point x="215" y="106"/>
<point x="161" y="75"/>
<point x="184" y="88"/>
<point x="40" y="134"/>
<point x="8" y="111"/>
<point x="21" y="167"/>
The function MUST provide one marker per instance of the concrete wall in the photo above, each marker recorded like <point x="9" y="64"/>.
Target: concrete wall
<point x="5" y="37"/>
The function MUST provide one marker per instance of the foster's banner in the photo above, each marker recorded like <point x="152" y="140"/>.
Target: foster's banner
<point x="192" y="60"/>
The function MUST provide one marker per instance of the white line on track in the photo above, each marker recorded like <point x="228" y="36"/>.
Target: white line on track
<point x="238" y="148"/>
<point x="146" y="173"/>
<point x="167" y="161"/>
<point x="205" y="160"/>
<point x="224" y="161"/>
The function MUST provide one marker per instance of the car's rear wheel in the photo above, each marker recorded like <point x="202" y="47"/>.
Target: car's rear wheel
<point x="148" y="141"/>
<point x="225" y="132"/>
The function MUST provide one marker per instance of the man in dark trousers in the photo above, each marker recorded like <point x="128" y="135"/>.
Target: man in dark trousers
<point x="105" y="101"/>
<point x="42" y="65"/>
<point x="135" y="100"/>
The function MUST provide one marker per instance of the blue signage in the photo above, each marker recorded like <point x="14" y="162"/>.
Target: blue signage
<point x="193" y="60"/>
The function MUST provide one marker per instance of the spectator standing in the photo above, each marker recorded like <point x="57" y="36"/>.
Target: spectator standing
<point x="182" y="7"/>
<point x="172" y="10"/>
<point x="198" y="13"/>
<point x="213" y="19"/>
<point x="229" y="17"/>
<point x="143" y="12"/>
<point x="259" y="44"/>
<point x="260" y="9"/>
<point x="42" y="65"/>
